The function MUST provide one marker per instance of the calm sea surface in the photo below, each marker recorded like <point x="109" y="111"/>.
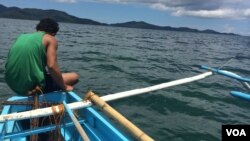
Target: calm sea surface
<point x="111" y="59"/>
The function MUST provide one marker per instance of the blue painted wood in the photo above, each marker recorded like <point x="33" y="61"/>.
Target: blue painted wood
<point x="37" y="130"/>
<point x="241" y="95"/>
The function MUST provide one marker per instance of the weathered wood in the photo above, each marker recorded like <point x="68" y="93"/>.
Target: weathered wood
<point x="134" y="130"/>
<point x="76" y="123"/>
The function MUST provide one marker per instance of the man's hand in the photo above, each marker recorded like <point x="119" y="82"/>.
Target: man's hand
<point x="68" y="88"/>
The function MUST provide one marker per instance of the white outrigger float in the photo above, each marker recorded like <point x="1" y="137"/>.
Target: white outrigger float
<point x="88" y="122"/>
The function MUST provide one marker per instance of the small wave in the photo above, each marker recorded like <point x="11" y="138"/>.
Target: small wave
<point x="125" y="58"/>
<point x="94" y="43"/>
<point x="181" y="42"/>
<point x="87" y="59"/>
<point x="158" y="60"/>
<point x="100" y="44"/>
<point x="238" y="57"/>
<point x="148" y="41"/>
<point x="108" y="68"/>
<point x="93" y="53"/>
<point x="70" y="45"/>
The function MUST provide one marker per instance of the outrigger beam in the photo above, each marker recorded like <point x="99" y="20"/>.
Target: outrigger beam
<point x="134" y="92"/>
<point x="227" y="73"/>
<point x="81" y="104"/>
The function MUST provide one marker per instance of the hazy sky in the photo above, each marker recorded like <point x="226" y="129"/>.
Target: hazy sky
<point x="220" y="15"/>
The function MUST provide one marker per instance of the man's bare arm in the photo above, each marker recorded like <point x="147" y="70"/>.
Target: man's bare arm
<point x="52" y="64"/>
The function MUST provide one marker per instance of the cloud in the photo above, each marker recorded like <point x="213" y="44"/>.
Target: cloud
<point x="228" y="28"/>
<point x="233" y="9"/>
<point x="160" y="6"/>
<point x="66" y="1"/>
<point x="99" y="1"/>
<point x="217" y="13"/>
<point x="230" y="9"/>
<point x="247" y="12"/>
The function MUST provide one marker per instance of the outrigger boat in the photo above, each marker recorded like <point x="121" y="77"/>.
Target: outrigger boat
<point x="87" y="123"/>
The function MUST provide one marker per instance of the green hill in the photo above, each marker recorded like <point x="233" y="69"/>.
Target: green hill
<point x="37" y="14"/>
<point x="60" y="16"/>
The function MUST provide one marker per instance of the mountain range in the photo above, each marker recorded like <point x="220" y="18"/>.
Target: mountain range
<point x="60" y="16"/>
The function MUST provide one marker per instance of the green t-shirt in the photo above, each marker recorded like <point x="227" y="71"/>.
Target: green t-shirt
<point x="25" y="66"/>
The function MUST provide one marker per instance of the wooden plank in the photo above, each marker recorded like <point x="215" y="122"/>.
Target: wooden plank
<point x="76" y="123"/>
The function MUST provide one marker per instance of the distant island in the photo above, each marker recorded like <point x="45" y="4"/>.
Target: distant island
<point x="60" y="16"/>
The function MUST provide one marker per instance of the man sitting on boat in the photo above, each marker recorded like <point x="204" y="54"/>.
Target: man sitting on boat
<point x="29" y="57"/>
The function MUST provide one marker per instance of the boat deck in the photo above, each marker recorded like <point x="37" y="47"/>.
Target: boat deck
<point x="95" y="124"/>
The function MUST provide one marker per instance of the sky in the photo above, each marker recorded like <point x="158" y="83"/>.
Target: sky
<point x="228" y="16"/>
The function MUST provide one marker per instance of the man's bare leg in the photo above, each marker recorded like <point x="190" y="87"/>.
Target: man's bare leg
<point x="70" y="78"/>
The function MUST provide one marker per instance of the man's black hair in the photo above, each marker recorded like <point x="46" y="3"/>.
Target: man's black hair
<point x="48" y="25"/>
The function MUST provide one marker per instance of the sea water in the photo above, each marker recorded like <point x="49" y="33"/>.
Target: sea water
<point x="114" y="59"/>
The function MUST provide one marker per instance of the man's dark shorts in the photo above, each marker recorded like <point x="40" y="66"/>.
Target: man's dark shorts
<point x="50" y="84"/>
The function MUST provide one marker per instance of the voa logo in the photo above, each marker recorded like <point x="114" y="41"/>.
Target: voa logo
<point x="236" y="132"/>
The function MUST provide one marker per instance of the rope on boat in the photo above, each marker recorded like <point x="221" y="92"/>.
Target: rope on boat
<point x="134" y="130"/>
<point x="57" y="116"/>
<point x="34" y="123"/>
<point x="57" y="120"/>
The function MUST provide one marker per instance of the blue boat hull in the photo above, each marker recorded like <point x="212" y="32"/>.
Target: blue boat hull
<point x="95" y="124"/>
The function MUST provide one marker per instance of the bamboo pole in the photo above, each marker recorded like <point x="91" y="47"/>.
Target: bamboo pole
<point x="135" y="131"/>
